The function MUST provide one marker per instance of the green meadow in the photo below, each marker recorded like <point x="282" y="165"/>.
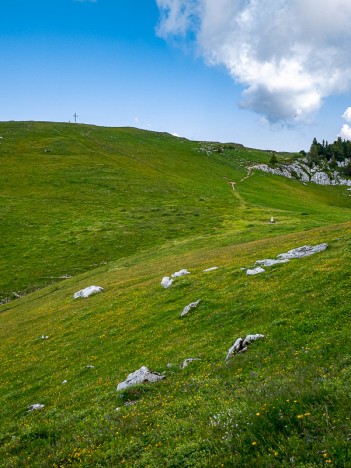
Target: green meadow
<point x="121" y="208"/>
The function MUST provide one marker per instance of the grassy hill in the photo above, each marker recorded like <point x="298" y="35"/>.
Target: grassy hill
<point x="121" y="208"/>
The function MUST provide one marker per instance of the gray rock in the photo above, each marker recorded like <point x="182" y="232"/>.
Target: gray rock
<point x="36" y="406"/>
<point x="237" y="346"/>
<point x="304" y="251"/>
<point x="190" y="306"/>
<point x="166" y="282"/>
<point x="187" y="361"/>
<point x="182" y="272"/>
<point x="140" y="376"/>
<point x="250" y="338"/>
<point x="240" y="345"/>
<point x="267" y="262"/>
<point x="86" y="292"/>
<point x="211" y="269"/>
<point x="255" y="271"/>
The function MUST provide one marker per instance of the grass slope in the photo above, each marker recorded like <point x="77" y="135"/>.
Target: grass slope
<point x="285" y="402"/>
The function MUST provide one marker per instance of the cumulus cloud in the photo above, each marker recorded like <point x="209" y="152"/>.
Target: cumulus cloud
<point x="288" y="55"/>
<point x="347" y="115"/>
<point x="345" y="132"/>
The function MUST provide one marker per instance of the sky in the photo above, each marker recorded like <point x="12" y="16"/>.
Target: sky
<point x="270" y="74"/>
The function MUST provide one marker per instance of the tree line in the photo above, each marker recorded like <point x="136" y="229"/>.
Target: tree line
<point x="330" y="154"/>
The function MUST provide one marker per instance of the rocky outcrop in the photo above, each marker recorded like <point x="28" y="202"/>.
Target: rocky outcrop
<point x="141" y="375"/>
<point x="304" y="251"/>
<point x="86" y="292"/>
<point x="300" y="170"/>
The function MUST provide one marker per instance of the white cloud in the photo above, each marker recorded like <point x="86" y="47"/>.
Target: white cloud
<point x="345" y="132"/>
<point x="288" y="55"/>
<point x="347" y="115"/>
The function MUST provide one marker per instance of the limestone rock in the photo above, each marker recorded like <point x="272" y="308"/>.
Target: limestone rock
<point x="88" y="291"/>
<point x="36" y="406"/>
<point x="189" y="307"/>
<point x="240" y="345"/>
<point x="182" y="272"/>
<point x="250" y="338"/>
<point x="140" y="376"/>
<point x="255" y="271"/>
<point x="211" y="269"/>
<point x="304" y="251"/>
<point x="166" y="282"/>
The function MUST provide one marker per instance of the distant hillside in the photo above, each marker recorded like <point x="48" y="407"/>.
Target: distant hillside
<point x="122" y="209"/>
<point x="74" y="197"/>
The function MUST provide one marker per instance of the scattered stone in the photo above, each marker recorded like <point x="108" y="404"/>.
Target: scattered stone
<point x="36" y="406"/>
<point x="169" y="364"/>
<point x="166" y="282"/>
<point x="129" y="403"/>
<point x="255" y="271"/>
<point x="211" y="269"/>
<point x="64" y="382"/>
<point x="90" y="367"/>
<point x="190" y="306"/>
<point x="140" y="376"/>
<point x="187" y="361"/>
<point x="303" y="251"/>
<point x="272" y="220"/>
<point x="88" y="291"/>
<point x="44" y="337"/>
<point x="182" y="272"/>
<point x="267" y="262"/>
<point x="240" y="345"/>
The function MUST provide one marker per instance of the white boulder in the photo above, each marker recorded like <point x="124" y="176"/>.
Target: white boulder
<point x="255" y="271"/>
<point x="166" y="282"/>
<point x="86" y="292"/>
<point x="140" y="376"/>
<point x="36" y="406"/>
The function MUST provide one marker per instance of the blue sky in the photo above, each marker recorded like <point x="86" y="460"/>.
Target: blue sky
<point x="174" y="66"/>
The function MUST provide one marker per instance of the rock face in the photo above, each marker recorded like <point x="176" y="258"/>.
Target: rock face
<point x="86" y="292"/>
<point x="166" y="282"/>
<point x="182" y="272"/>
<point x="140" y="376"/>
<point x="303" y="251"/>
<point x="190" y="306"/>
<point x="240" y="345"/>
<point x="302" y="171"/>
<point x="255" y="271"/>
